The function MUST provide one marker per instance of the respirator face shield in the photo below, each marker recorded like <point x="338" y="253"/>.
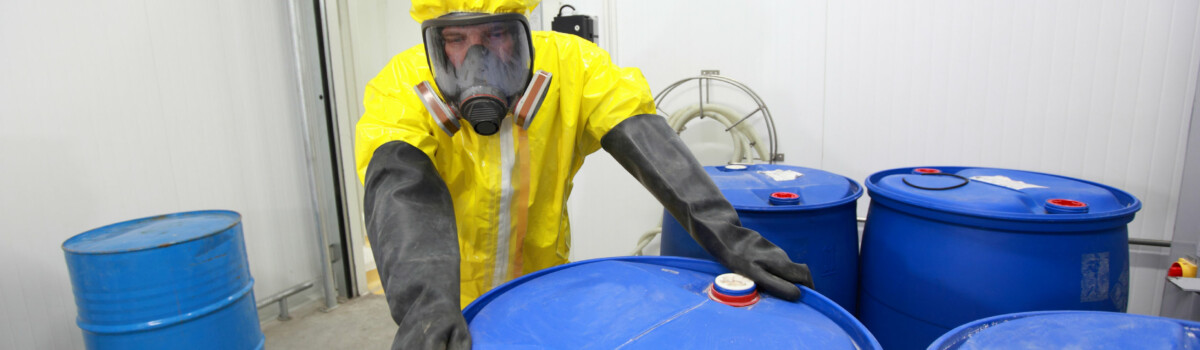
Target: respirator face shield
<point x="482" y="64"/>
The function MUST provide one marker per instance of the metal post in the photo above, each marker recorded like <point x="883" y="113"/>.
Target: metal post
<point x="1149" y="242"/>
<point x="283" y="310"/>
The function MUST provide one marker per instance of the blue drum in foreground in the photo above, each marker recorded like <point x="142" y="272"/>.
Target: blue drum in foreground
<point x="177" y="281"/>
<point x="808" y="212"/>
<point x="949" y="245"/>
<point x="1072" y="330"/>
<point x="654" y="303"/>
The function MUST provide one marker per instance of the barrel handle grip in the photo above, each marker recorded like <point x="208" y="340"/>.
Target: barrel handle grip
<point x="964" y="183"/>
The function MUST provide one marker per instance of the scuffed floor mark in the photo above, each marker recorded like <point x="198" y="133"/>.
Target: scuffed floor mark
<point x="660" y="324"/>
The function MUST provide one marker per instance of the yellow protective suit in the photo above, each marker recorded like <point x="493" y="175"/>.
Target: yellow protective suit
<point x="509" y="189"/>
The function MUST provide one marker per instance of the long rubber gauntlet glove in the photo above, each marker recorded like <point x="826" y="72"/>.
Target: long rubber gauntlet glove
<point x="647" y="147"/>
<point x="410" y="221"/>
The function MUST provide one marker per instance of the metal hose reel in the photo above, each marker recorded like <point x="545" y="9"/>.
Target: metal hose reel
<point x="740" y="131"/>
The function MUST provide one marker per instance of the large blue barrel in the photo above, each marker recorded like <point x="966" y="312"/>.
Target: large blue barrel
<point x="944" y="246"/>
<point x="1093" y="330"/>
<point x="179" y="281"/>
<point x="814" y="222"/>
<point x="651" y="303"/>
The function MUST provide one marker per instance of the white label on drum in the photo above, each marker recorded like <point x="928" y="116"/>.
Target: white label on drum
<point x="1004" y="181"/>
<point x="1120" y="291"/>
<point x="1094" y="286"/>
<point x="781" y="174"/>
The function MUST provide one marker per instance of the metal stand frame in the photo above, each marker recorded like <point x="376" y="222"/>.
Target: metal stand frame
<point x="704" y="81"/>
<point x="281" y="298"/>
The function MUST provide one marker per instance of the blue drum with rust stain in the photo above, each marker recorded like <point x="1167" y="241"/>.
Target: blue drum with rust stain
<point x="652" y="303"/>
<point x="808" y="212"/>
<point x="944" y="246"/>
<point x="1072" y="330"/>
<point x="178" y="281"/>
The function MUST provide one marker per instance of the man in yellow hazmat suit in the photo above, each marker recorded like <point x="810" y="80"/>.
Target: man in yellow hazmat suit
<point x="468" y="147"/>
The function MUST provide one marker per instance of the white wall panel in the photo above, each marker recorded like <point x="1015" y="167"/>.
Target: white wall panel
<point x="1176" y="302"/>
<point x="379" y="30"/>
<point x="1094" y="90"/>
<point x="119" y="110"/>
<point x="1097" y="93"/>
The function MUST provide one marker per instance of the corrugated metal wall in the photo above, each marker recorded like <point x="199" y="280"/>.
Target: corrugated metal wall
<point x="1099" y="90"/>
<point x="122" y="109"/>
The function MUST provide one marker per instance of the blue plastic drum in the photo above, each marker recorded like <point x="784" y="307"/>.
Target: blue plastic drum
<point x="178" y="281"/>
<point x="944" y="246"/>
<point x="1072" y="330"/>
<point x="653" y="303"/>
<point x="809" y="213"/>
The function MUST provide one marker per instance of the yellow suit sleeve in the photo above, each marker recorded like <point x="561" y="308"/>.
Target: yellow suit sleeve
<point x="393" y="110"/>
<point x="608" y="94"/>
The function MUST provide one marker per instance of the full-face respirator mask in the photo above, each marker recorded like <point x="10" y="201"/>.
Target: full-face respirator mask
<point x="482" y="64"/>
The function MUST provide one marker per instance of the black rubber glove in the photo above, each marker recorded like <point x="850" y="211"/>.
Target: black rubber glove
<point x="410" y="221"/>
<point x="647" y="147"/>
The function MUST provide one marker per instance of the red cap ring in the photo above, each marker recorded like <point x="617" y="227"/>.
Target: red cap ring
<point x="1066" y="203"/>
<point x="734" y="301"/>
<point x="784" y="198"/>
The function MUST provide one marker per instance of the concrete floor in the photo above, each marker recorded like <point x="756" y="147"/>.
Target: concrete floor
<point x="361" y="323"/>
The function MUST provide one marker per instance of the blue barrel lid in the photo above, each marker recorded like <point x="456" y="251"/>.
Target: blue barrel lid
<point x="151" y="232"/>
<point x="651" y="302"/>
<point x="1002" y="194"/>
<point x="1072" y="330"/>
<point x="752" y="186"/>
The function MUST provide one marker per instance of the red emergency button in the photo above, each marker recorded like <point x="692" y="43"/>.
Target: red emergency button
<point x="1175" y="270"/>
